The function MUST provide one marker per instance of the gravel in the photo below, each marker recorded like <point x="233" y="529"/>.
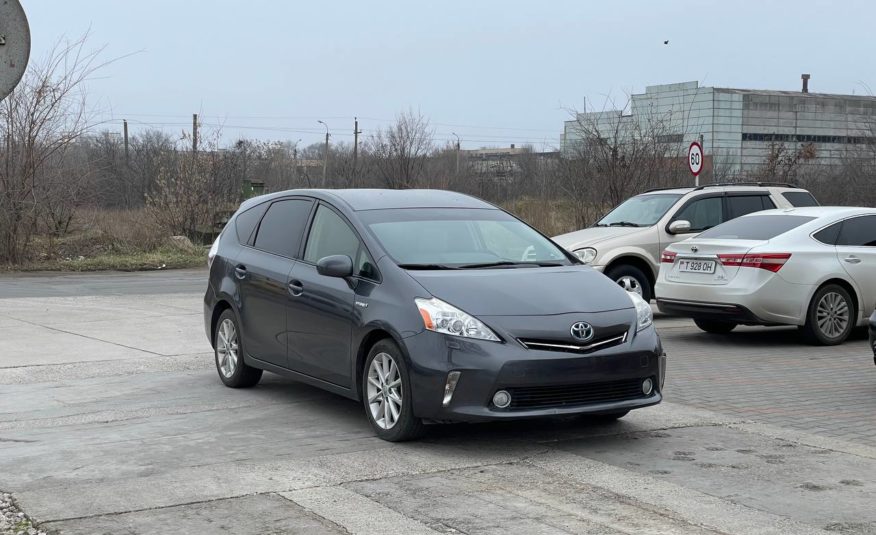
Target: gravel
<point x="13" y="521"/>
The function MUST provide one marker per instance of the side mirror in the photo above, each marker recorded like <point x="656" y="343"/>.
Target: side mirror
<point x="340" y="266"/>
<point x="680" y="226"/>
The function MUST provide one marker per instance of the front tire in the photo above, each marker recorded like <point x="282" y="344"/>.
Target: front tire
<point x="387" y="395"/>
<point x="228" y="350"/>
<point x="830" y="318"/>
<point x="715" y="326"/>
<point x="632" y="279"/>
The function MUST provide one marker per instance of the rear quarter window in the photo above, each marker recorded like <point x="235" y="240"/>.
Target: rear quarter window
<point x="800" y="199"/>
<point x="246" y="221"/>
<point x="756" y="227"/>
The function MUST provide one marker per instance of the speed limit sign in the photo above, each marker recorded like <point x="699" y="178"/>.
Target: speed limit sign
<point x="695" y="158"/>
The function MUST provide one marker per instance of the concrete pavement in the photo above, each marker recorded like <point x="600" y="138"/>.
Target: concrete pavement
<point x="112" y="420"/>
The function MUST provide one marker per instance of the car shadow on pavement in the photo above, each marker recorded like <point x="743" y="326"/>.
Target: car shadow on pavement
<point x="746" y="337"/>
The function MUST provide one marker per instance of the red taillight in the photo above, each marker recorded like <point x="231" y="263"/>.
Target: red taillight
<point x="768" y="261"/>
<point x="668" y="257"/>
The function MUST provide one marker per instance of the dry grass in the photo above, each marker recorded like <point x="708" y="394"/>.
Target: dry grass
<point x="127" y="240"/>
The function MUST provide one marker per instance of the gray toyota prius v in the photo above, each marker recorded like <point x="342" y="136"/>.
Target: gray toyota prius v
<point x="427" y="306"/>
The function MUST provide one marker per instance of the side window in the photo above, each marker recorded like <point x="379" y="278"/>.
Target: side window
<point x="859" y="232"/>
<point x="800" y="199"/>
<point x="331" y="235"/>
<point x="703" y="213"/>
<point x="740" y="205"/>
<point x="245" y="222"/>
<point x="829" y="235"/>
<point x="282" y="227"/>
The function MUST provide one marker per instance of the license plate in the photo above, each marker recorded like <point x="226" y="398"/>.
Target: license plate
<point x="696" y="266"/>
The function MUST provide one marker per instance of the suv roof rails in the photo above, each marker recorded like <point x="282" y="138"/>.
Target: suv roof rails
<point x="725" y="184"/>
<point x="761" y="184"/>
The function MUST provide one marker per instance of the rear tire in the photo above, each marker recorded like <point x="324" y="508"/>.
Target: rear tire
<point x="631" y="279"/>
<point x="715" y="326"/>
<point x="831" y="316"/>
<point x="228" y="352"/>
<point x="387" y="395"/>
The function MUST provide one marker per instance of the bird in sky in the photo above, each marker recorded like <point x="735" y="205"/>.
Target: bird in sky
<point x="666" y="42"/>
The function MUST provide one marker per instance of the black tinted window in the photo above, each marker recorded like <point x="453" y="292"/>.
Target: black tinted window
<point x="829" y="235"/>
<point x="245" y="222"/>
<point x="756" y="227"/>
<point x="800" y="199"/>
<point x="282" y="227"/>
<point x="331" y="235"/>
<point x="740" y="205"/>
<point x="703" y="213"/>
<point x="859" y="231"/>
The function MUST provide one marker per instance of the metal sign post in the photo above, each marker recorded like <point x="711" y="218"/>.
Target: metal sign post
<point x="695" y="160"/>
<point x="14" y="45"/>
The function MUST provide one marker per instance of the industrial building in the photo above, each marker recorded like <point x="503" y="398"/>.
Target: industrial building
<point x="739" y="127"/>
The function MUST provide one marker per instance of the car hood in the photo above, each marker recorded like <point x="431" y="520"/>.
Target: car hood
<point x="593" y="235"/>
<point x="525" y="291"/>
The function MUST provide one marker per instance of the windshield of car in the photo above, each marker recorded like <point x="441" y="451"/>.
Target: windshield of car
<point x="640" y="211"/>
<point x="448" y="238"/>
<point x="756" y="227"/>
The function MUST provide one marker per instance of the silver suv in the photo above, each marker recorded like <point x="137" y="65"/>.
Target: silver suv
<point x="626" y="244"/>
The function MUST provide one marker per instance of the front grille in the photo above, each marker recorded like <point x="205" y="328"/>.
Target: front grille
<point x="541" y="397"/>
<point x="566" y="347"/>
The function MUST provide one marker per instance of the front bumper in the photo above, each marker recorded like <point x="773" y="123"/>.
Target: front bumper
<point x="486" y="367"/>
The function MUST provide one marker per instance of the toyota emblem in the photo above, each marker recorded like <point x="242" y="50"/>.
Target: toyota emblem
<point x="694" y="248"/>
<point x="582" y="331"/>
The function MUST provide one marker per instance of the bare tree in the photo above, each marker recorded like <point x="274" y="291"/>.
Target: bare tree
<point x="399" y="151"/>
<point x="41" y="120"/>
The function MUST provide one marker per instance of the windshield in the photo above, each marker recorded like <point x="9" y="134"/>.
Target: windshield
<point x="640" y="211"/>
<point x="448" y="238"/>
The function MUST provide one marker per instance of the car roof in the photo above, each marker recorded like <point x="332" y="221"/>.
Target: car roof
<point x="818" y="211"/>
<point x="384" y="199"/>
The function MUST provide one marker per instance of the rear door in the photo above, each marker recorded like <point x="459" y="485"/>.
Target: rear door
<point x="263" y="273"/>
<point x="856" y="251"/>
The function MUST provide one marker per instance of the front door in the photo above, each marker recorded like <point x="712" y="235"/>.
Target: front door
<point x="856" y="251"/>
<point x="320" y="314"/>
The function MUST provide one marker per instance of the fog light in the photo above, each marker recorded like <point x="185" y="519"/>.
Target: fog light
<point x="647" y="386"/>
<point x="449" y="387"/>
<point x="502" y="399"/>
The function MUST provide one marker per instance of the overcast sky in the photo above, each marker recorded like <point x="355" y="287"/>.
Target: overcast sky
<point x="494" y="72"/>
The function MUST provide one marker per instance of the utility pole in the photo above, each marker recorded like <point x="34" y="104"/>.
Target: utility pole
<point x="325" y="160"/>
<point x="457" y="152"/>
<point x="356" y="133"/>
<point x="697" y="181"/>
<point x="194" y="132"/>
<point x="125" y="123"/>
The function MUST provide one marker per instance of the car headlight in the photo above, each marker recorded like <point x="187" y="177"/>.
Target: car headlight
<point x="586" y="255"/>
<point x="441" y="317"/>
<point x="644" y="314"/>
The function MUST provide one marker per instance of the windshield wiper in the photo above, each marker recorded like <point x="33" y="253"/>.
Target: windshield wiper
<point x="426" y="266"/>
<point x="503" y="263"/>
<point x="623" y="224"/>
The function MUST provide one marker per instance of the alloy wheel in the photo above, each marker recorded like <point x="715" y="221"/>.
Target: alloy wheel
<point x="832" y="315"/>
<point x="630" y="284"/>
<point x="384" y="390"/>
<point x="227" y="348"/>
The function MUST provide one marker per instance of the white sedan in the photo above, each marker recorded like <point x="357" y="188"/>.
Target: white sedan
<point x="810" y="267"/>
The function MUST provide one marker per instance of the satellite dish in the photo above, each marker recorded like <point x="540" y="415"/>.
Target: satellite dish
<point x="14" y="45"/>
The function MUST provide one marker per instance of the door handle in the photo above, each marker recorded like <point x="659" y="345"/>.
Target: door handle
<point x="296" y="288"/>
<point x="240" y="271"/>
<point x="852" y="259"/>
